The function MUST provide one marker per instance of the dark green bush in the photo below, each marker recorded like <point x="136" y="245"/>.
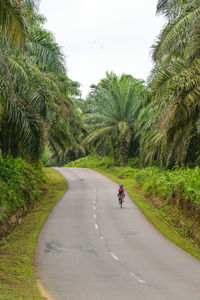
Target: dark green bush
<point x="92" y="161"/>
<point x="136" y="162"/>
<point x="19" y="184"/>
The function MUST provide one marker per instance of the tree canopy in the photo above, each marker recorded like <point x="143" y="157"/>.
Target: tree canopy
<point x="159" y="122"/>
<point x="111" y="110"/>
<point x="41" y="108"/>
<point x="173" y="136"/>
<point x="36" y="106"/>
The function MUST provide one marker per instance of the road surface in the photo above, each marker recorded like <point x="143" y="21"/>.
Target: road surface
<point x="91" y="249"/>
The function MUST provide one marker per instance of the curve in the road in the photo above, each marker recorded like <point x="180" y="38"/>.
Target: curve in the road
<point x="90" y="249"/>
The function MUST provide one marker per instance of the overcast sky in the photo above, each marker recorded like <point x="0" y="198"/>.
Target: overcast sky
<point x="103" y="35"/>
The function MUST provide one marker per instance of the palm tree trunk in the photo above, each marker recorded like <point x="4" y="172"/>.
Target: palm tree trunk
<point x="123" y="151"/>
<point x="54" y="149"/>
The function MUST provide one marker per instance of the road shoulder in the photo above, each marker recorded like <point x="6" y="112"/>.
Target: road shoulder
<point x="17" y="251"/>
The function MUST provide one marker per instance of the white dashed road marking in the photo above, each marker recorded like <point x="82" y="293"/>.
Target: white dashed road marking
<point x="114" y="256"/>
<point x="111" y="253"/>
<point x="137" y="278"/>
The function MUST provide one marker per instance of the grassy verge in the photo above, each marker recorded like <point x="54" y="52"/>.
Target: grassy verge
<point x="17" y="251"/>
<point x="152" y="213"/>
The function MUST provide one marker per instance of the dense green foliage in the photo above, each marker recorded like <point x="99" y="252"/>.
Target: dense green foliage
<point x="109" y="113"/>
<point x="20" y="185"/>
<point x="92" y="161"/>
<point x="158" y="123"/>
<point x="36" y="96"/>
<point x="169" y="124"/>
<point x="41" y="111"/>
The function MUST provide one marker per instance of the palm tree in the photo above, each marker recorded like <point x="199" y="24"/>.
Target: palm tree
<point x="112" y="108"/>
<point x="170" y="132"/>
<point x="182" y="25"/>
<point x="14" y="20"/>
<point x="34" y="97"/>
<point x="176" y="89"/>
<point x="171" y="8"/>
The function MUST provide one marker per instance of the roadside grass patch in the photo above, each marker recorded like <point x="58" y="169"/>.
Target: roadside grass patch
<point x="17" y="251"/>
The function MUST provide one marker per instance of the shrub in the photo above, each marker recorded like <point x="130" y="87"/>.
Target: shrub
<point x="136" y="162"/>
<point x="179" y="184"/>
<point x="19" y="184"/>
<point x="92" y="161"/>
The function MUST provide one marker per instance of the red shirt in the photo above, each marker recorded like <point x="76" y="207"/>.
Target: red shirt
<point x="121" y="190"/>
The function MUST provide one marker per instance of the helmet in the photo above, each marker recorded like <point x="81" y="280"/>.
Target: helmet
<point x="121" y="185"/>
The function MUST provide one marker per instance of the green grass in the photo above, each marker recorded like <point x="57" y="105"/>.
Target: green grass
<point x="17" y="251"/>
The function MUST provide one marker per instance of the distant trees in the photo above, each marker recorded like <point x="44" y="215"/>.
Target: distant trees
<point x="41" y="107"/>
<point x="111" y="110"/>
<point x="160" y="123"/>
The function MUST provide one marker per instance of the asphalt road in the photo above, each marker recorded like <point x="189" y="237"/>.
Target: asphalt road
<point x="91" y="249"/>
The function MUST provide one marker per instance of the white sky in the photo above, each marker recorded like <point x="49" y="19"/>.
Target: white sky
<point x="103" y="35"/>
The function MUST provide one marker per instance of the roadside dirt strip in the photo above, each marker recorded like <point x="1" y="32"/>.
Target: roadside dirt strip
<point x="91" y="249"/>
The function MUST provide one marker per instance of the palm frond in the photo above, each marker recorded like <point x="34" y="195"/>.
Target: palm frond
<point x="174" y="37"/>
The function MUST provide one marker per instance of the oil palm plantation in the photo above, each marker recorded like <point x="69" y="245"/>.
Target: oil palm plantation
<point x="112" y="108"/>
<point x="34" y="98"/>
<point x="173" y="136"/>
